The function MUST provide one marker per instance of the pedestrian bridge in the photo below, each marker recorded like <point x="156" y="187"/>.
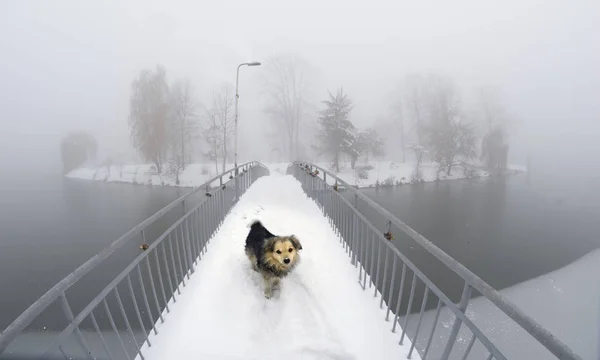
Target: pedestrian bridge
<point x="191" y="292"/>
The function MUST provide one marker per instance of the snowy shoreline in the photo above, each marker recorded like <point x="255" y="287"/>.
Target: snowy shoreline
<point x="391" y="174"/>
<point x="382" y="173"/>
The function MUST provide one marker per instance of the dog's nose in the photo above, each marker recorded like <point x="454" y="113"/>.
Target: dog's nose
<point x="287" y="261"/>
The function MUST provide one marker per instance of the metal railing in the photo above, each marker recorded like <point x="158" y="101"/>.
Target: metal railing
<point x="116" y="322"/>
<point x="369" y="249"/>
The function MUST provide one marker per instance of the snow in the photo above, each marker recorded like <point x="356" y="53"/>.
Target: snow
<point x="197" y="174"/>
<point x="320" y="312"/>
<point x="193" y="175"/>
<point x="566" y="302"/>
<point x="399" y="173"/>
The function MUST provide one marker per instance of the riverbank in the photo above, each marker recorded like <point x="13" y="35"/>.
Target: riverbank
<point x="382" y="173"/>
<point x="389" y="174"/>
<point x="145" y="174"/>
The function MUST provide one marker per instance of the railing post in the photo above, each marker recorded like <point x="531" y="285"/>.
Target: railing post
<point x="237" y="188"/>
<point x="69" y="315"/>
<point x="462" y="306"/>
<point x="354" y="241"/>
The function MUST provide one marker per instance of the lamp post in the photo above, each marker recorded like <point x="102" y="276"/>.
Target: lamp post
<point x="235" y="150"/>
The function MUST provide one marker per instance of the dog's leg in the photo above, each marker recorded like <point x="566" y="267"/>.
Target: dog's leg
<point x="275" y="283"/>
<point x="269" y="282"/>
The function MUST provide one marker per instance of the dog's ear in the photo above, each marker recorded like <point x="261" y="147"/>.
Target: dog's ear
<point x="270" y="244"/>
<point x="296" y="242"/>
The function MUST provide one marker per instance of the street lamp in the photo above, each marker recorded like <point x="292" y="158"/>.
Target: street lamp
<point x="237" y="96"/>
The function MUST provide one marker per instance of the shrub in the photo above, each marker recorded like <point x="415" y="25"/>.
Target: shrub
<point x="389" y="182"/>
<point x="470" y="172"/>
<point x="362" y="174"/>
<point x="417" y="176"/>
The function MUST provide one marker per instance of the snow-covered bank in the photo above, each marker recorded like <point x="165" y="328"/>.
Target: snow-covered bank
<point x="566" y="302"/>
<point x="193" y="175"/>
<point x="384" y="173"/>
<point x="320" y="312"/>
<point x="387" y="173"/>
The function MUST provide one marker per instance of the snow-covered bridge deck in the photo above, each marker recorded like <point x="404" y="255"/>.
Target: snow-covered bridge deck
<point x="321" y="312"/>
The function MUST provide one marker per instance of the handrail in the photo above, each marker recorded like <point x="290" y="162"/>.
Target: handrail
<point x="35" y="309"/>
<point x="541" y="334"/>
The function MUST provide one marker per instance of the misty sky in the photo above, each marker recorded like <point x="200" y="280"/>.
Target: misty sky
<point x="68" y="65"/>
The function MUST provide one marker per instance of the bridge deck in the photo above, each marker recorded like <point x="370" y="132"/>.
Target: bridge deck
<point x="320" y="312"/>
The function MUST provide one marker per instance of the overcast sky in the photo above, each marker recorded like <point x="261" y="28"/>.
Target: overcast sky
<point x="68" y="65"/>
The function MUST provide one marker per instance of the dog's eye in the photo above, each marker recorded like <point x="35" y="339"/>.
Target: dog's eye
<point x="279" y="251"/>
<point x="290" y="250"/>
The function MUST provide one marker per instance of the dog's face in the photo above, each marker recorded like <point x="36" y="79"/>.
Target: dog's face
<point x="283" y="250"/>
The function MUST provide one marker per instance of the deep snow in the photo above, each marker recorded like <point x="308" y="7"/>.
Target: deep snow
<point x="321" y="312"/>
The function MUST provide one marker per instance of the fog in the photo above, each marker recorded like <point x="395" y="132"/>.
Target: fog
<point x="68" y="65"/>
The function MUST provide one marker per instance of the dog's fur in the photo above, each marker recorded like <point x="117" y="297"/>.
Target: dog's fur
<point x="274" y="257"/>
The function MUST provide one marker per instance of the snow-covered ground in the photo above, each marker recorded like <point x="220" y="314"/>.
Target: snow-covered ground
<point x="320" y="312"/>
<point x="197" y="174"/>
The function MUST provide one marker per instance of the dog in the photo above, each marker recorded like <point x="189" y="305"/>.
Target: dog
<point x="274" y="257"/>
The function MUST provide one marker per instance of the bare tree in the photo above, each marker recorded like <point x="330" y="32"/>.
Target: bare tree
<point x="120" y="165"/>
<point x="286" y="85"/>
<point x="184" y="126"/>
<point x="415" y="96"/>
<point x="77" y="148"/>
<point x="450" y="139"/>
<point x="212" y="135"/>
<point x="398" y="120"/>
<point x="492" y="113"/>
<point x="108" y="162"/>
<point x="149" y="115"/>
<point x="494" y="144"/>
<point x="223" y="102"/>
<point x="174" y="168"/>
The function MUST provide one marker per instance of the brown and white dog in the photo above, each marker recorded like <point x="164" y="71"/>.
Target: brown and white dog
<point x="274" y="257"/>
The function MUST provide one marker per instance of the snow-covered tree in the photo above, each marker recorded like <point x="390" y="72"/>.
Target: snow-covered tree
<point x="417" y="175"/>
<point x="337" y="134"/>
<point x="370" y="143"/>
